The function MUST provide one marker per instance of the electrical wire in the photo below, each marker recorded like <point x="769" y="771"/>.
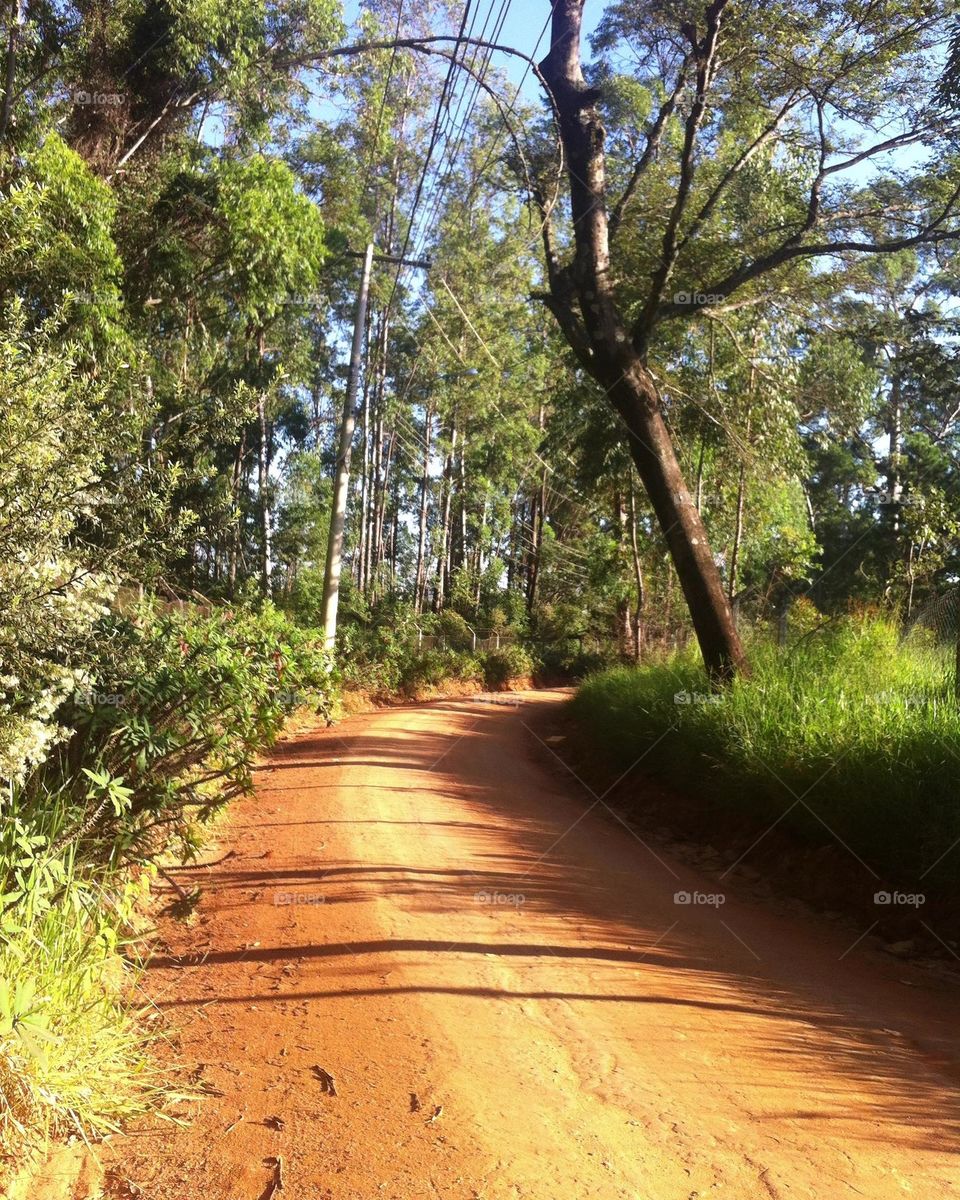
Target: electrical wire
<point x="434" y="135"/>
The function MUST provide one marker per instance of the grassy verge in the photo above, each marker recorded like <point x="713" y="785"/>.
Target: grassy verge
<point x="71" y="1045"/>
<point x="864" y="728"/>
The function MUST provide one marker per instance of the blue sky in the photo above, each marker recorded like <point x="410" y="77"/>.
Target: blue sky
<point x="525" y="20"/>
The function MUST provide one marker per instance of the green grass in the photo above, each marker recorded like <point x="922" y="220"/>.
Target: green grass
<point x="72" y="1047"/>
<point x="72" y="1051"/>
<point x="865" y="728"/>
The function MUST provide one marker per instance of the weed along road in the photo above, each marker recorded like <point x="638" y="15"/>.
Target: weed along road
<point x="432" y="964"/>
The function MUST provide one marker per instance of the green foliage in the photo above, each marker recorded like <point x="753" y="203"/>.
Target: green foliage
<point x="506" y="665"/>
<point x="58" y="253"/>
<point x="160" y="730"/>
<point x="373" y="654"/>
<point x="173" y="711"/>
<point x="273" y="236"/>
<point x="71" y="1049"/>
<point x="865" y="727"/>
<point x="452" y="627"/>
<point x="53" y="586"/>
<point x="429" y="669"/>
<point x="173" y="311"/>
<point x="234" y="46"/>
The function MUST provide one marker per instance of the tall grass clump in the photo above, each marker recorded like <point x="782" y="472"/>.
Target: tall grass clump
<point x="71" y="1047"/>
<point x="863" y="726"/>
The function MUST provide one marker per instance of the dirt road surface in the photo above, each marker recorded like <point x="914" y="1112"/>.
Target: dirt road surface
<point x="435" y="966"/>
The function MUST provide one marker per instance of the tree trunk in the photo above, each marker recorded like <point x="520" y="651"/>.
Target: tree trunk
<point x="382" y="507"/>
<point x="461" y="552"/>
<point x="235" y="494"/>
<point x="16" y="19"/>
<point x="698" y="500"/>
<point x="638" y="629"/>
<point x="394" y="537"/>
<point x="895" y="434"/>
<point x="582" y="300"/>
<point x="420" y="584"/>
<point x="540" y="513"/>
<point x="362" y="548"/>
<point x="443" y="557"/>
<point x="737" y="532"/>
<point x="263" y="488"/>
<point x="478" y="557"/>
<point x="331" y="578"/>
<point x="375" y="536"/>
<point x="894" y="513"/>
<point x="264" y="448"/>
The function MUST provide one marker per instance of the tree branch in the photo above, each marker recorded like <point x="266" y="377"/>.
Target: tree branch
<point x="705" y="51"/>
<point x="735" y="168"/>
<point x="649" y="151"/>
<point x="793" y="248"/>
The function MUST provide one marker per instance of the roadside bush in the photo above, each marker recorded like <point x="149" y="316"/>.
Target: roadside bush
<point x="372" y="655"/>
<point x="71" y="1048"/>
<point x="862" y="726"/>
<point x="505" y="664"/>
<point x="167" y="722"/>
<point x="433" y="668"/>
<point x="160" y="731"/>
<point x="568" y="659"/>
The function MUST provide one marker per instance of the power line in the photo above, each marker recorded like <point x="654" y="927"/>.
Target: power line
<point x="477" y="77"/>
<point x="456" y="125"/>
<point x="434" y="135"/>
<point x="453" y="116"/>
<point x="386" y="86"/>
<point x="512" y="108"/>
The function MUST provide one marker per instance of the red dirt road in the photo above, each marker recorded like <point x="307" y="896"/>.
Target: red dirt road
<point x="511" y="1004"/>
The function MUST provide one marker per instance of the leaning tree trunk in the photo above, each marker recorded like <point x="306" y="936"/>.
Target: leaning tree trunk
<point x="582" y="299"/>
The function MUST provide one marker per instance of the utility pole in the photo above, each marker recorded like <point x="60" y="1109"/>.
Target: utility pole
<point x="331" y="577"/>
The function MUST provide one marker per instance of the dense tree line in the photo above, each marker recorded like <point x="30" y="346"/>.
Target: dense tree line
<point x="184" y="191"/>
